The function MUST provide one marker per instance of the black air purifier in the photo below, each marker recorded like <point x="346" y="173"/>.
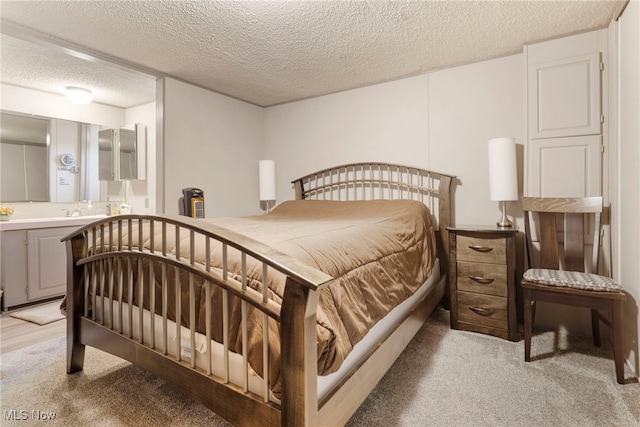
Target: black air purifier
<point x="193" y="202"/>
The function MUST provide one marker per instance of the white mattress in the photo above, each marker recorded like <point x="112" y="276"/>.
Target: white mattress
<point x="236" y="371"/>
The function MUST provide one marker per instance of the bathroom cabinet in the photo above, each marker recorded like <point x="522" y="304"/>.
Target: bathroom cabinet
<point x="33" y="265"/>
<point x="122" y="153"/>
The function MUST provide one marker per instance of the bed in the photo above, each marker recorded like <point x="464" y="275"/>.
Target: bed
<point x="287" y="318"/>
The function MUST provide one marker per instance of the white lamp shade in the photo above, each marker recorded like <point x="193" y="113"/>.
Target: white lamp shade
<point x="78" y="95"/>
<point x="267" y="170"/>
<point x="503" y="171"/>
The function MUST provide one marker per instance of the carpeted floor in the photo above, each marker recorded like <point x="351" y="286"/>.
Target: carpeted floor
<point x="444" y="378"/>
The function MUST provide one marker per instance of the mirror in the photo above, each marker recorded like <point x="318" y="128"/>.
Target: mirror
<point x="24" y="147"/>
<point x="47" y="160"/>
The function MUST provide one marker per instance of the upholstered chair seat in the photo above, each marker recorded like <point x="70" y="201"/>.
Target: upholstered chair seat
<point x="572" y="279"/>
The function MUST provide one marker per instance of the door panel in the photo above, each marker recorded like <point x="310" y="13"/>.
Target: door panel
<point x="565" y="97"/>
<point x="565" y="167"/>
<point x="46" y="260"/>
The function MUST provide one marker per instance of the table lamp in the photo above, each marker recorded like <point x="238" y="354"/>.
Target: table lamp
<point x="503" y="175"/>
<point x="267" y="169"/>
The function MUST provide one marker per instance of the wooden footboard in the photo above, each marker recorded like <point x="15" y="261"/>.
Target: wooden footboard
<point x="105" y="276"/>
<point x="111" y="264"/>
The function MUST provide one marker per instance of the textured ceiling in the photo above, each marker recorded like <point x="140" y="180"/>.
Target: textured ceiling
<point x="271" y="52"/>
<point x="33" y="66"/>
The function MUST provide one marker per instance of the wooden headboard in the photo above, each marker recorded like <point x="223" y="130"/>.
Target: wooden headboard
<point x="387" y="181"/>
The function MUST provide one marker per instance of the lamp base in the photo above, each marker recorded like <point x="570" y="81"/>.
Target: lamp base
<point x="504" y="221"/>
<point x="266" y="205"/>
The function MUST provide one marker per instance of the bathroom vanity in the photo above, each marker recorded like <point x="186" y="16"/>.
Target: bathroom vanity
<point x="34" y="259"/>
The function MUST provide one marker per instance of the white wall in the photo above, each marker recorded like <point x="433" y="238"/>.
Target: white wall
<point x="469" y="105"/>
<point x="65" y="138"/>
<point x="440" y="121"/>
<point x="627" y="217"/>
<point x="211" y="142"/>
<point x="386" y="122"/>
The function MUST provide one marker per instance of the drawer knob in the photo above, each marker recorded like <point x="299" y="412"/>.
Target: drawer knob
<point x="481" y="280"/>
<point x="480" y="248"/>
<point x="481" y="311"/>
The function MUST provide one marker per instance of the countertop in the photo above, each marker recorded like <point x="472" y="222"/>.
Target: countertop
<point x="33" y="223"/>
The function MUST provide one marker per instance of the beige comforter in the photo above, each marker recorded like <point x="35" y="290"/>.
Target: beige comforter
<point x="378" y="252"/>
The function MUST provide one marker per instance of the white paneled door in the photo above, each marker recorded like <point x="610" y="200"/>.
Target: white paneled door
<point x="564" y="153"/>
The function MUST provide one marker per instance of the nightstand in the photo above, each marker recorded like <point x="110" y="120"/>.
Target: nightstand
<point x="482" y="279"/>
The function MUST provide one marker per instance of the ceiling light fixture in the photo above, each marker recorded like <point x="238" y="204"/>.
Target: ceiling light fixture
<point x="78" y="95"/>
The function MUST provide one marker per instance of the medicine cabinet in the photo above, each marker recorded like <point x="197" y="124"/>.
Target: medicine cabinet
<point x="122" y="153"/>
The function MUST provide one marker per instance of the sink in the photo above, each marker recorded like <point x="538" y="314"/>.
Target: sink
<point x="61" y="221"/>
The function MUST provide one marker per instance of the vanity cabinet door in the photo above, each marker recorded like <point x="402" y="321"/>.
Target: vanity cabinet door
<point x="47" y="263"/>
<point x="14" y="268"/>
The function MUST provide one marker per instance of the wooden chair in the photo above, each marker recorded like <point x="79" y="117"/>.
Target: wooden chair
<point x="565" y="276"/>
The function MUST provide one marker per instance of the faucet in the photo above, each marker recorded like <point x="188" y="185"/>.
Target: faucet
<point x="76" y="212"/>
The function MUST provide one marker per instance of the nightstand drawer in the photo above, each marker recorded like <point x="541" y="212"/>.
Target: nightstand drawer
<point x="489" y="279"/>
<point x="483" y="310"/>
<point x="479" y="249"/>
